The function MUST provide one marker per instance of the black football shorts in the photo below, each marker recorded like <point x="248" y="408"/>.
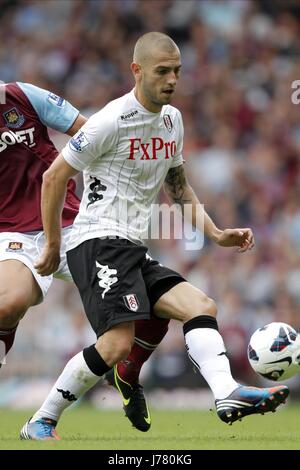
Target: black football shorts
<point x="118" y="281"/>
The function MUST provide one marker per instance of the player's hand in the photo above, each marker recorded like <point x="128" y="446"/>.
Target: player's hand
<point x="241" y="237"/>
<point x="48" y="262"/>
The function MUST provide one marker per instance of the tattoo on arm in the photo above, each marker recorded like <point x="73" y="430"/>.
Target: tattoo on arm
<point x="176" y="185"/>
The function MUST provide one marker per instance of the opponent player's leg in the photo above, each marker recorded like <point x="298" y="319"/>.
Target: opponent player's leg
<point x="206" y="350"/>
<point x="18" y="291"/>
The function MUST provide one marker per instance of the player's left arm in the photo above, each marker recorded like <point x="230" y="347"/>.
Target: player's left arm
<point x="54" y="187"/>
<point x="180" y="192"/>
<point x="93" y="140"/>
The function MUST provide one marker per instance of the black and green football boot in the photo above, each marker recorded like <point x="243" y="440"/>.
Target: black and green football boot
<point x="134" y="402"/>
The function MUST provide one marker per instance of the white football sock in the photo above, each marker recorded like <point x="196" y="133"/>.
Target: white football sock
<point x="206" y="350"/>
<point x="74" y="381"/>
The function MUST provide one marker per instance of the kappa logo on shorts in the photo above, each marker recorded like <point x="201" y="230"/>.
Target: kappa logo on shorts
<point x="131" y="302"/>
<point x="106" y="280"/>
<point x="15" y="246"/>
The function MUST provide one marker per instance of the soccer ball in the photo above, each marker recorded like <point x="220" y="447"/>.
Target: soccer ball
<point x="274" y="351"/>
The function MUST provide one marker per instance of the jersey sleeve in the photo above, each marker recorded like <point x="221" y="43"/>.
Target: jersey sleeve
<point x="96" y="137"/>
<point x="53" y="111"/>
<point x="177" y="160"/>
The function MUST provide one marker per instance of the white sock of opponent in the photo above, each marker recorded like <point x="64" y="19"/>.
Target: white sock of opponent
<point x="81" y="373"/>
<point x="206" y="350"/>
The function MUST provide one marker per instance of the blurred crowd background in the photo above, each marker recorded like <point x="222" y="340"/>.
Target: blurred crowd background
<point x="242" y="149"/>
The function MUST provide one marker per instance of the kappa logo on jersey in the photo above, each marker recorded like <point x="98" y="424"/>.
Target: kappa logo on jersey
<point x="129" y="115"/>
<point x="78" y="142"/>
<point x="107" y="277"/>
<point x="13" y="118"/>
<point x="151" y="150"/>
<point x="15" y="246"/>
<point x="131" y="302"/>
<point x="57" y="100"/>
<point x="25" y="136"/>
<point x="95" y="187"/>
<point x="168" y="122"/>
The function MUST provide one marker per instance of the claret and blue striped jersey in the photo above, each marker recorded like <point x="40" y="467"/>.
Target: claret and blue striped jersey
<point x="26" y="152"/>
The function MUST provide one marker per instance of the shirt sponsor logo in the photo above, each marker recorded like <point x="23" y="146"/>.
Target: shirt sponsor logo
<point x="78" y="142"/>
<point x="15" y="246"/>
<point x="151" y="150"/>
<point x="131" y="302"/>
<point x="129" y="115"/>
<point x="13" y="118"/>
<point x="168" y="122"/>
<point x="57" y="100"/>
<point x="25" y="136"/>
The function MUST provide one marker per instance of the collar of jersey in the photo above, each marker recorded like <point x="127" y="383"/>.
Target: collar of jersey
<point x="139" y="105"/>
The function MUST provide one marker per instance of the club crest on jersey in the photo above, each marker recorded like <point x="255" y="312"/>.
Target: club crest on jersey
<point x="78" y="142"/>
<point x="131" y="302"/>
<point x="168" y="122"/>
<point x="15" y="246"/>
<point x="13" y="118"/>
<point x="57" y="100"/>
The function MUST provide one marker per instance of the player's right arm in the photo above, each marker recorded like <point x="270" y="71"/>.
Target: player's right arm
<point x="92" y="141"/>
<point x="54" y="187"/>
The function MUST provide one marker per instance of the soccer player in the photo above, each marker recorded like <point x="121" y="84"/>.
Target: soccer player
<point x="127" y="152"/>
<point x="26" y="152"/>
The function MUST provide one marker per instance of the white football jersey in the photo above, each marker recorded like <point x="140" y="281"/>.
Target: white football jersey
<point x="125" y="153"/>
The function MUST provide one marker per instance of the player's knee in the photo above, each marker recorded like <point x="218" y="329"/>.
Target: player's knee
<point x="120" y="352"/>
<point x="117" y="351"/>
<point x="11" y="311"/>
<point x="210" y="307"/>
<point x="115" y="345"/>
<point x="123" y="347"/>
<point x="202" y="305"/>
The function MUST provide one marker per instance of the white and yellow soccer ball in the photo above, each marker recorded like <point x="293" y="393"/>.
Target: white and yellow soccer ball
<point x="274" y="351"/>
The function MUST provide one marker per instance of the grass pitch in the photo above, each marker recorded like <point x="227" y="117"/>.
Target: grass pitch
<point x="88" y="428"/>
